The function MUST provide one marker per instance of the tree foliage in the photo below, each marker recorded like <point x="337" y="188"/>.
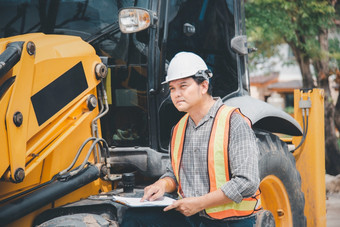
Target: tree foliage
<point x="304" y="25"/>
<point x="297" y="23"/>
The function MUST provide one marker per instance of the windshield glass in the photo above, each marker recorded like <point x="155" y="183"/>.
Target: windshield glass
<point x="214" y="28"/>
<point x="73" y="17"/>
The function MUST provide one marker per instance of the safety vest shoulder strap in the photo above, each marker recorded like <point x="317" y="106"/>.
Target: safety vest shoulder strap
<point x="218" y="167"/>
<point x="218" y="161"/>
<point x="177" y="142"/>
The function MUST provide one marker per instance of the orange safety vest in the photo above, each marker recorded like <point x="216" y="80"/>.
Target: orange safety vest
<point x="218" y="167"/>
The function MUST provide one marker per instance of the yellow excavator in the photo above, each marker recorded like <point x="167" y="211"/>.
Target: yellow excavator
<point x="84" y="116"/>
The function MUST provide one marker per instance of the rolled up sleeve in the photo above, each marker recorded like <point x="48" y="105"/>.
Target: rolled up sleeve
<point x="243" y="160"/>
<point x="169" y="172"/>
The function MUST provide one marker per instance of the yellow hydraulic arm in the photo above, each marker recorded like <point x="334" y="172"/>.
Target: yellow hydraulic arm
<point x="310" y="156"/>
<point x="48" y="110"/>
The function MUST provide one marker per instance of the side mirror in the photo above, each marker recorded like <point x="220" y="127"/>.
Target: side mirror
<point x="133" y="20"/>
<point x="239" y="45"/>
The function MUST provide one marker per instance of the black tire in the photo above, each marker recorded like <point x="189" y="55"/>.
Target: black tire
<point x="275" y="159"/>
<point x="78" y="220"/>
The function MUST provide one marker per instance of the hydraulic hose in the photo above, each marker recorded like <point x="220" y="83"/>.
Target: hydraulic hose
<point x="304" y="105"/>
<point x="43" y="196"/>
<point x="77" y="155"/>
<point x="10" y="57"/>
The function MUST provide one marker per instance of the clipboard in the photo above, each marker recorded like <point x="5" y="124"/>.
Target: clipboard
<point x="135" y="201"/>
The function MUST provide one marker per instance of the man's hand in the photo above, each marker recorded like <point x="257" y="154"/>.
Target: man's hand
<point x="187" y="206"/>
<point x="154" y="191"/>
<point x="192" y="205"/>
<point x="157" y="189"/>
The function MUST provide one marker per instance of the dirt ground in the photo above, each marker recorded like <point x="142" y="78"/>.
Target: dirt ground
<point x="333" y="210"/>
<point x="333" y="200"/>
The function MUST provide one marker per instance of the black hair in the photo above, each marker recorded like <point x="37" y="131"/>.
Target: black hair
<point x="199" y="80"/>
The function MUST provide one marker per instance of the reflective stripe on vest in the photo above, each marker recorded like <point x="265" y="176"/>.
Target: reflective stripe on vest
<point x="177" y="142"/>
<point x="218" y="166"/>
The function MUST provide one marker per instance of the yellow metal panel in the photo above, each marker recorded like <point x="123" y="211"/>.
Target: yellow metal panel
<point x="310" y="158"/>
<point x="90" y="189"/>
<point x="60" y="154"/>
<point x="49" y="66"/>
<point x="4" y="163"/>
<point x="8" y="189"/>
<point x="46" y="149"/>
<point x="19" y="102"/>
<point x="108" y="86"/>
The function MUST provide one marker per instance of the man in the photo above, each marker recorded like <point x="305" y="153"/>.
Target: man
<point x="213" y="151"/>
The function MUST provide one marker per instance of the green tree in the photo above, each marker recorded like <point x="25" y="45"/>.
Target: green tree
<point x="304" y="25"/>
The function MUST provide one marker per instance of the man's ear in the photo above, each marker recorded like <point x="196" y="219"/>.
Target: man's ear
<point x="205" y="86"/>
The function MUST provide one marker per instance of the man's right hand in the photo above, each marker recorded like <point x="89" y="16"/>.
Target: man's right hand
<point x="157" y="189"/>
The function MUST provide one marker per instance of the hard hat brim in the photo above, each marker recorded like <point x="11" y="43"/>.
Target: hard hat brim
<point x="206" y="74"/>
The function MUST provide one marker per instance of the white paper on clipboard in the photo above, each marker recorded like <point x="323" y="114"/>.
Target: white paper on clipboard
<point x="135" y="202"/>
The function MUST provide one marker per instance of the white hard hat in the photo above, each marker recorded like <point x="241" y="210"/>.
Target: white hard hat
<point x="186" y="64"/>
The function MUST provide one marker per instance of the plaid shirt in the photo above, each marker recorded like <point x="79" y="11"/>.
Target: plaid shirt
<point x="243" y="152"/>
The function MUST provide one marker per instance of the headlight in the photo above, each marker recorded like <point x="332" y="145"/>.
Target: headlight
<point x="134" y="19"/>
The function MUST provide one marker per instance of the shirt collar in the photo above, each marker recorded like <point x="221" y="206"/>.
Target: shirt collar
<point x="211" y="113"/>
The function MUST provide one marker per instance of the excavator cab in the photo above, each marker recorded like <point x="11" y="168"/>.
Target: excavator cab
<point x="141" y="112"/>
<point x="135" y="40"/>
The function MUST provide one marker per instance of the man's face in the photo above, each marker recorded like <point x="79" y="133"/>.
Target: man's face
<point x="186" y="94"/>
